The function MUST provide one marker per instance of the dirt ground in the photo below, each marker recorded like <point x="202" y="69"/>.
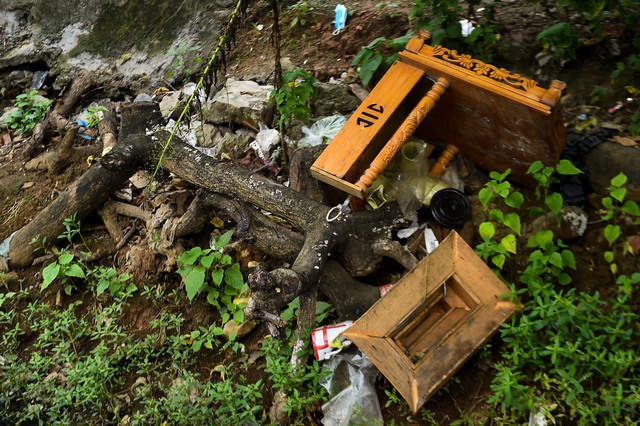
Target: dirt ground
<point x="313" y="47"/>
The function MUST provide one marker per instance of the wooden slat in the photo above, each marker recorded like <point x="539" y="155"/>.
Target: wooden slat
<point x="354" y="139"/>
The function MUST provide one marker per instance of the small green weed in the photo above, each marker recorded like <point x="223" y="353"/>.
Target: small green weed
<point x="291" y="99"/>
<point x="302" y="387"/>
<point x="30" y="112"/>
<point x="378" y="56"/>
<point x="615" y="206"/>
<point x="567" y="354"/>
<point x="225" y="283"/>
<point x="93" y="114"/>
<point x="301" y="10"/>
<point x="179" y="60"/>
<point x="498" y="191"/>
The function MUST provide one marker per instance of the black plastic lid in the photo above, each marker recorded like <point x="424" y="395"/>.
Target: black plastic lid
<point x="450" y="208"/>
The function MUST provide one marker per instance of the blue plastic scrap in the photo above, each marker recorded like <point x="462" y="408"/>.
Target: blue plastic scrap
<point x="341" y="18"/>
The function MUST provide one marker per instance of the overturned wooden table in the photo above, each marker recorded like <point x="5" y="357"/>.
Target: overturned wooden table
<point x="495" y="118"/>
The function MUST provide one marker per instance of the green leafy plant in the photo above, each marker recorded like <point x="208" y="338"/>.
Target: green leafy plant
<point x="179" y="59"/>
<point x="291" y="99"/>
<point x="442" y="18"/>
<point x="498" y="191"/>
<point x="567" y="354"/>
<point x="29" y="113"/>
<point x="301" y="10"/>
<point x="378" y="56"/>
<point x="223" y="285"/>
<point x="597" y="94"/>
<point x="615" y="205"/>
<point x="561" y="40"/>
<point x="93" y="114"/>
<point x="545" y="176"/>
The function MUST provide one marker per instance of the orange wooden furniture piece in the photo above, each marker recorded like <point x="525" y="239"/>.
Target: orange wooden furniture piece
<point x="433" y="320"/>
<point x="495" y="118"/>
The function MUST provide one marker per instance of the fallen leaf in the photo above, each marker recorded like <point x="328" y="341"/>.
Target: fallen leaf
<point x="624" y="141"/>
<point x="632" y="91"/>
<point x="634" y="243"/>
<point x="27" y="185"/>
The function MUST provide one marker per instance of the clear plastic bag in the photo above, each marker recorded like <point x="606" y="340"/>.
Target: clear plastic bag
<point x="322" y="131"/>
<point x="351" y="384"/>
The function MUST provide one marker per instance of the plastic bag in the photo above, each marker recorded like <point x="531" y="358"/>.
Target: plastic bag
<point x="322" y="131"/>
<point x="267" y="138"/>
<point x="351" y="385"/>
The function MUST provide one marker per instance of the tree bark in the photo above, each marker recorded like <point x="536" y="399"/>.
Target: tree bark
<point x="360" y="239"/>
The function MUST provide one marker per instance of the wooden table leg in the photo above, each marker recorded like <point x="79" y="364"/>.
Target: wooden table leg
<point x="401" y="135"/>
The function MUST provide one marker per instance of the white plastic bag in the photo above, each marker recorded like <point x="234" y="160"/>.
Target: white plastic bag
<point x="267" y="138"/>
<point x="322" y="131"/>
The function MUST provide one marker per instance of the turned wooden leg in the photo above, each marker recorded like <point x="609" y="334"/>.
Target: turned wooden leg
<point x="406" y="129"/>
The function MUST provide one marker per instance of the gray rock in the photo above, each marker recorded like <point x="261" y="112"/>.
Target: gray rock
<point x="334" y="99"/>
<point x="169" y="103"/>
<point x="118" y="39"/>
<point x="240" y="101"/>
<point x="607" y="160"/>
<point x="208" y="135"/>
<point x="232" y="143"/>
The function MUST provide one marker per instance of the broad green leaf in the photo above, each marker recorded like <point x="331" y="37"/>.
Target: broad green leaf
<point x="65" y="258"/>
<point x="614" y="268"/>
<point x="536" y="211"/>
<point x="543" y="237"/>
<point x="498" y="260"/>
<point x="607" y="202"/>
<point x="189" y="257"/>
<point x="226" y="260"/>
<point x="568" y="259"/>
<point x="554" y="202"/>
<point x="131" y="288"/>
<point x="611" y="233"/>
<point x="238" y="316"/>
<point x="196" y="345"/>
<point x="608" y="256"/>
<point x="515" y="200"/>
<point x="233" y="276"/>
<point x="208" y="344"/>
<point x="487" y="230"/>
<point x="485" y="196"/>
<point x="223" y="240"/>
<point x="194" y="281"/>
<point x="102" y="286"/>
<point x="564" y="278"/>
<point x="75" y="271"/>
<point x="556" y="259"/>
<point x="502" y="189"/>
<point x="619" y="193"/>
<point x="49" y="274"/>
<point x="536" y="166"/>
<point x="496" y="215"/>
<point x="217" y="276"/>
<point x="619" y="180"/>
<point x="631" y="207"/>
<point x="512" y="220"/>
<point x="322" y="306"/>
<point x="565" y="167"/>
<point x="509" y="243"/>
<point x="369" y="67"/>
<point x="206" y="261"/>
<point x="212" y="297"/>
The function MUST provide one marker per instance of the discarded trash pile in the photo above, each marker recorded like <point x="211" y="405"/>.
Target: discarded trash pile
<point x="407" y="156"/>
